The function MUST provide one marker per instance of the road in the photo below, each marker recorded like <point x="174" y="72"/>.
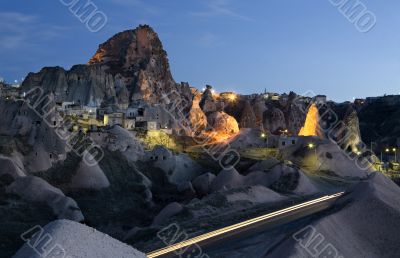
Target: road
<point x="248" y="227"/>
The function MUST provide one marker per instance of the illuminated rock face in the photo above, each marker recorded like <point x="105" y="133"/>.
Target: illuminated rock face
<point x="197" y="118"/>
<point x="138" y="56"/>
<point x="348" y="135"/>
<point x="223" y="124"/>
<point x="310" y="127"/>
<point x="207" y="102"/>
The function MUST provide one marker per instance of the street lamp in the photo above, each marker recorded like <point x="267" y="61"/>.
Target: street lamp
<point x="265" y="137"/>
<point x="395" y="154"/>
<point x="313" y="146"/>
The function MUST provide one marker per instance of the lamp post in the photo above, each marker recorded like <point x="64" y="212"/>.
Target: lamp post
<point x="395" y="154"/>
<point x="265" y="137"/>
<point x="387" y="153"/>
<point x="312" y="146"/>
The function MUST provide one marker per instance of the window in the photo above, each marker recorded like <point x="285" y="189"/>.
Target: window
<point x="283" y="143"/>
<point x="141" y="112"/>
<point x="293" y="142"/>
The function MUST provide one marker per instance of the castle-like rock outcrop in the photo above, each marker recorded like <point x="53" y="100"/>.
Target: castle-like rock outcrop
<point x="138" y="56"/>
<point x="130" y="67"/>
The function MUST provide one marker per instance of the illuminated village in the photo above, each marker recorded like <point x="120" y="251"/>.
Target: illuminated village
<point x="115" y="152"/>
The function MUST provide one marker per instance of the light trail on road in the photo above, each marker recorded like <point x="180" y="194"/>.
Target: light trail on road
<point x="219" y="232"/>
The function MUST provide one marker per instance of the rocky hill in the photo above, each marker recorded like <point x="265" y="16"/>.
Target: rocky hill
<point x="130" y="67"/>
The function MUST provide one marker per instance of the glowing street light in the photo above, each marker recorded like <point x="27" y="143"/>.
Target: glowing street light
<point x="394" y="150"/>
<point x="395" y="154"/>
<point x="266" y="139"/>
<point x="313" y="146"/>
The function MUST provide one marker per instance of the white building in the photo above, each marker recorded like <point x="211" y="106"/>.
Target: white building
<point x="73" y="110"/>
<point x="129" y="123"/>
<point x="114" y="119"/>
<point x="147" y="125"/>
<point x="90" y="111"/>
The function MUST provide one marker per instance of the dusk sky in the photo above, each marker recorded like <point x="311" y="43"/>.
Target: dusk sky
<point x="243" y="46"/>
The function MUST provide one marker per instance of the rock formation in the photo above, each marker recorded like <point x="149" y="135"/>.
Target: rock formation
<point x="177" y="168"/>
<point x="138" y="56"/>
<point x="207" y="102"/>
<point x="83" y="84"/>
<point x="197" y="118"/>
<point x="274" y="120"/>
<point x="35" y="189"/>
<point x="89" y="177"/>
<point x="248" y="118"/>
<point x="350" y="137"/>
<point x="130" y="67"/>
<point x="311" y="125"/>
<point x="202" y="184"/>
<point x="259" y="108"/>
<point x="223" y="123"/>
<point x="27" y="133"/>
<point x="71" y="239"/>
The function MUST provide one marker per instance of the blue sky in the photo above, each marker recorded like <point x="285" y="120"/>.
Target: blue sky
<point x="245" y="46"/>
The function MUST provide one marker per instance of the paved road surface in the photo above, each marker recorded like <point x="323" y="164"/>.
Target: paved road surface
<point x="248" y="227"/>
